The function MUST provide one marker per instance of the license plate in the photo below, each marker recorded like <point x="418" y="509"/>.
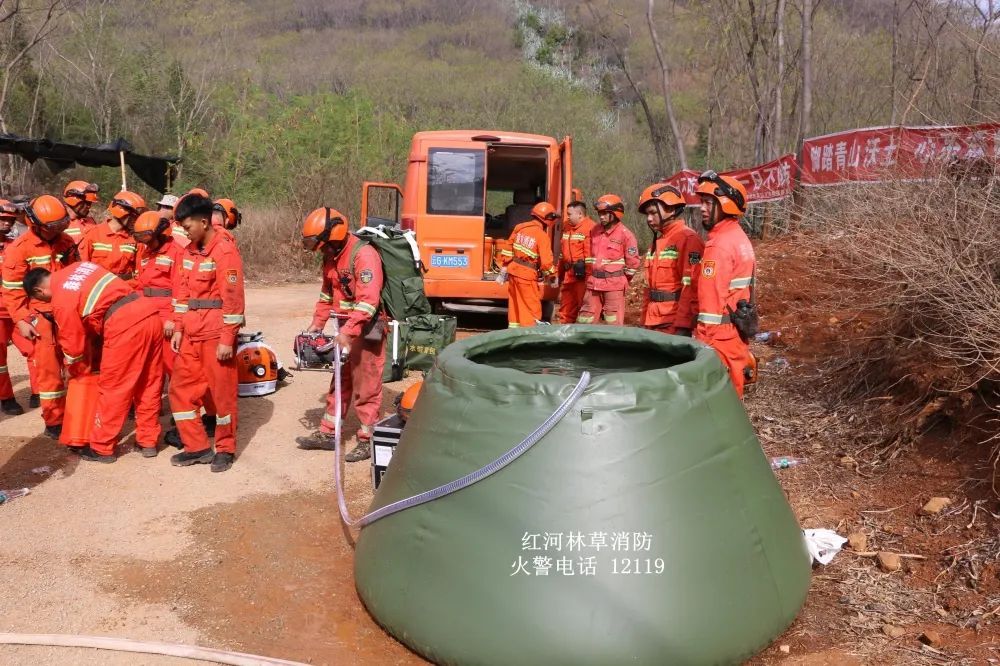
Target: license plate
<point x="449" y="261"/>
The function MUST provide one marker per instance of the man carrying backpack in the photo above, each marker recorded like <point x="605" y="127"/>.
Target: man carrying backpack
<point x="352" y="282"/>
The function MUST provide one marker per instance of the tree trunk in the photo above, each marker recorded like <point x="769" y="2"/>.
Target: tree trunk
<point x="805" y="119"/>
<point x="778" y="133"/>
<point x="665" y="82"/>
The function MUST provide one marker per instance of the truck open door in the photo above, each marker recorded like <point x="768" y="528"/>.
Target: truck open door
<point x="381" y="203"/>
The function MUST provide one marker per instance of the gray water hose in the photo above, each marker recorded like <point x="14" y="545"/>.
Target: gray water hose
<point x="144" y="647"/>
<point x="453" y="486"/>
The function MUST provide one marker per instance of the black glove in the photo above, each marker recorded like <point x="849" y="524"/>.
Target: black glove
<point x="686" y="332"/>
<point x="579" y="269"/>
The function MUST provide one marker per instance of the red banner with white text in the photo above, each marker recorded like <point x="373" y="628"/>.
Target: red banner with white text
<point x="884" y="153"/>
<point x="767" y="182"/>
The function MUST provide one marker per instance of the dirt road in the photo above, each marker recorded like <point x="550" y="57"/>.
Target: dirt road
<point x="253" y="559"/>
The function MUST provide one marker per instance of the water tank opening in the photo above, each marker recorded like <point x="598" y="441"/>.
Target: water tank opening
<point x="561" y="357"/>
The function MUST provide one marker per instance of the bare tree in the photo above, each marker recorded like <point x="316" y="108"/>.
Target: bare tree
<point x="621" y="57"/>
<point x="13" y="50"/>
<point x="667" y="90"/>
<point x="778" y="131"/>
<point x="805" y="117"/>
<point x="988" y="14"/>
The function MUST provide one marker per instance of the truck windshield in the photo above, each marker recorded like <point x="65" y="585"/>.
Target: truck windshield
<point x="455" y="181"/>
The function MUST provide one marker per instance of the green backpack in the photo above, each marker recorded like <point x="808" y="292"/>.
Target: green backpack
<point x="403" y="285"/>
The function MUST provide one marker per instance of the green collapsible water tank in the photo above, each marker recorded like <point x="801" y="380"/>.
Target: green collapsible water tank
<point x="645" y="528"/>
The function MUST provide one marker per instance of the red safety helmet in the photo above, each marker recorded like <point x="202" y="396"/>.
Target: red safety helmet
<point x="544" y="212"/>
<point x="232" y="215"/>
<point x="126" y="203"/>
<point x="151" y="222"/>
<point x="47" y="211"/>
<point x="728" y="191"/>
<point x="324" y="225"/>
<point x="78" y="191"/>
<point x="611" y="203"/>
<point x="668" y="195"/>
<point x="198" y="190"/>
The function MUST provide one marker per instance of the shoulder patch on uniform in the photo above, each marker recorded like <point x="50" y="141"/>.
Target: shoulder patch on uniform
<point x="232" y="276"/>
<point x="708" y="269"/>
<point x="366" y="276"/>
<point x="694" y="258"/>
<point x="633" y="250"/>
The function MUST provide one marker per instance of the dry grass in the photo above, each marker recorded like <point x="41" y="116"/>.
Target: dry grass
<point x="270" y="242"/>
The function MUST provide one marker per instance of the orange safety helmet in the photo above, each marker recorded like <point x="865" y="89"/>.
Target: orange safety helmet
<point x="8" y="211"/>
<point x="126" y="203"/>
<point x="256" y="369"/>
<point x="728" y="191"/>
<point x="228" y="208"/>
<point x="151" y="222"/>
<point x="544" y="212"/>
<point x="198" y="190"/>
<point x="78" y="191"/>
<point x="324" y="225"/>
<point x="47" y="210"/>
<point x="408" y="399"/>
<point x="668" y="195"/>
<point x="611" y="203"/>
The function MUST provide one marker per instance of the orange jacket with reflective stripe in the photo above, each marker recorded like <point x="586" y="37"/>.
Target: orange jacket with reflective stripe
<point x="530" y="253"/>
<point x="29" y="251"/>
<point x="613" y="250"/>
<point x="727" y="269"/>
<point x="79" y="226"/>
<point x="114" y="251"/>
<point x="81" y="295"/>
<point x="575" y="246"/>
<point x="213" y="275"/>
<point x="161" y="270"/>
<point x="352" y="292"/>
<point x="670" y="262"/>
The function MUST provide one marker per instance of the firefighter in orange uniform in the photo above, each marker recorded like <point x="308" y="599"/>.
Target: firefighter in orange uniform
<point x="8" y="404"/>
<point x="528" y="261"/>
<point x="79" y="196"/>
<point x="226" y="217"/>
<point x="614" y="261"/>
<point x="158" y="274"/>
<point x="211" y="301"/>
<point x="573" y="266"/>
<point x="44" y="245"/>
<point x="352" y="284"/>
<point x="89" y="304"/>
<point x="727" y="271"/>
<point x="670" y="304"/>
<point x="110" y="244"/>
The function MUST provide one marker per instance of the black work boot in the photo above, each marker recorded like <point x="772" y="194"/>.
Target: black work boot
<point x="11" y="407"/>
<point x="208" y="420"/>
<point x="173" y="438"/>
<point x="148" y="451"/>
<point x="90" y="455"/>
<point x="222" y="461"/>
<point x="363" y="451"/>
<point x="185" y="458"/>
<point x="53" y="431"/>
<point x="34" y="401"/>
<point x="319" y="441"/>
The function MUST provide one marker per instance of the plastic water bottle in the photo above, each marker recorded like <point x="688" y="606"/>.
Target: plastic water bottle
<point x="8" y="495"/>
<point x="785" y="463"/>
